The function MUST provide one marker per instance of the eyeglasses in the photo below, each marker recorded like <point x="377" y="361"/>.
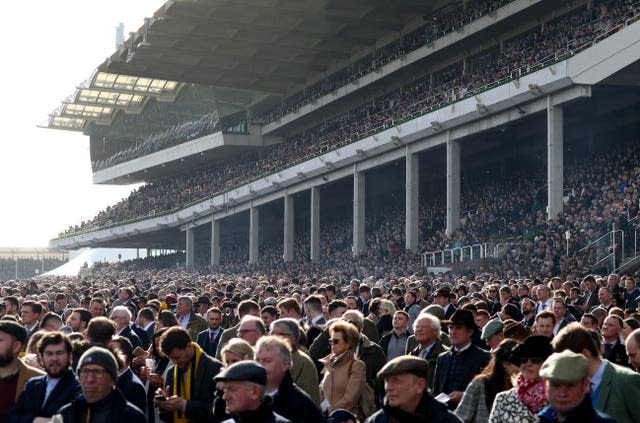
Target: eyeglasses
<point x="97" y="373"/>
<point x="335" y="341"/>
<point x="280" y="334"/>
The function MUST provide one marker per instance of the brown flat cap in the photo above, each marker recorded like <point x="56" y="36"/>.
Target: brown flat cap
<point x="405" y="364"/>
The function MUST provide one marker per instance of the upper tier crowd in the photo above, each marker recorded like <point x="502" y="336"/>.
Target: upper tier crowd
<point x="548" y="43"/>
<point x="174" y="346"/>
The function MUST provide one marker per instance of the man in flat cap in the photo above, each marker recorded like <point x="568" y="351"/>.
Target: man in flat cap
<point x="407" y="397"/>
<point x="244" y="387"/>
<point x="13" y="372"/>
<point x="492" y="333"/>
<point x="567" y="381"/>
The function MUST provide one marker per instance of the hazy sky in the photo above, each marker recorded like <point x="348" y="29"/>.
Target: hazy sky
<point x="49" y="48"/>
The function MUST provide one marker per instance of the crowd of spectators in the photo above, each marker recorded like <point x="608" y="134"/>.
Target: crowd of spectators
<point x="437" y="26"/>
<point x="520" y="54"/>
<point x="134" y="314"/>
<point x="508" y="211"/>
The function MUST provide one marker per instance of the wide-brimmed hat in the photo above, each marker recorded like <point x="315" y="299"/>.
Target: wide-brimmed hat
<point x="462" y="318"/>
<point x="535" y="346"/>
<point x="443" y="292"/>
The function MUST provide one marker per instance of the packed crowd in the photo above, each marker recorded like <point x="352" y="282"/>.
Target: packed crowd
<point x="520" y="54"/>
<point x="174" y="346"/>
<point x="438" y="25"/>
<point x="510" y="211"/>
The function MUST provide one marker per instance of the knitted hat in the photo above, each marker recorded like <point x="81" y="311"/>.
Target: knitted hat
<point x="102" y="357"/>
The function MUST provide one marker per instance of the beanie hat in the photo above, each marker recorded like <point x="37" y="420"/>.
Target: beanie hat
<point x="102" y="357"/>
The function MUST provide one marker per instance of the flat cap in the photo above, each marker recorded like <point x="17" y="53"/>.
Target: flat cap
<point x="492" y="327"/>
<point x="434" y="310"/>
<point x="405" y="364"/>
<point x="565" y="367"/>
<point x="245" y="371"/>
<point x="14" y="329"/>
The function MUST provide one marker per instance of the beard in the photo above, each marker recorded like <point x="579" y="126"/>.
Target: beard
<point x="6" y="358"/>
<point x="59" y="370"/>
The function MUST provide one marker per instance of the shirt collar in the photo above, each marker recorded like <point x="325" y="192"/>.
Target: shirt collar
<point x="597" y="376"/>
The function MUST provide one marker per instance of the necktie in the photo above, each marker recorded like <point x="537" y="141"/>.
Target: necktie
<point x="212" y="337"/>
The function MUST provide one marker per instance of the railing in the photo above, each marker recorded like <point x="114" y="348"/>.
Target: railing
<point x="456" y="254"/>
<point x="608" y="249"/>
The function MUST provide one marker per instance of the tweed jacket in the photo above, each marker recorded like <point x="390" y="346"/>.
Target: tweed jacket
<point x="473" y="405"/>
<point x="507" y="408"/>
<point x="339" y="387"/>
<point x="304" y="374"/>
<point x="26" y="373"/>
<point x="196" y="325"/>
<point x="474" y="359"/>
<point x="431" y="358"/>
<point x="620" y="393"/>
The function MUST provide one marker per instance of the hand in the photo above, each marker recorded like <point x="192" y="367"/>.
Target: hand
<point x="156" y="379"/>
<point x="144" y="373"/>
<point x="455" y="396"/>
<point x="139" y="361"/>
<point x="173" y="403"/>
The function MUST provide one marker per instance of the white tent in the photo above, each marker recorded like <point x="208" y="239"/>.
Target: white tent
<point x="89" y="256"/>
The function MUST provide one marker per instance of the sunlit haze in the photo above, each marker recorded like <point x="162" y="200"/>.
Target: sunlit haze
<point x="45" y="175"/>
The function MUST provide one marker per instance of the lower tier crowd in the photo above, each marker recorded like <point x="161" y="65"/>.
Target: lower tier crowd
<point x="167" y="345"/>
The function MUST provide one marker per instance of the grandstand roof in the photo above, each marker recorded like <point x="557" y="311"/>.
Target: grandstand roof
<point x="267" y="46"/>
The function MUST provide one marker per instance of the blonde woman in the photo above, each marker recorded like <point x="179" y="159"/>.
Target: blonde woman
<point x="385" y="317"/>
<point x="344" y="375"/>
<point x="236" y="350"/>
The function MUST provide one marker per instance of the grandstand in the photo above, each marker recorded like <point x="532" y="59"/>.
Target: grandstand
<point x="370" y="135"/>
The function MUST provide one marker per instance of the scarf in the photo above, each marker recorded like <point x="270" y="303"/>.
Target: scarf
<point x="531" y="393"/>
<point x="183" y="381"/>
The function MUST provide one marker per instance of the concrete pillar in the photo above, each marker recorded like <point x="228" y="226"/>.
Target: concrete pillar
<point x="358" y="212"/>
<point x="288" y="228"/>
<point x="554" y="159"/>
<point x="190" y="247"/>
<point x="315" y="224"/>
<point x="412" y="186"/>
<point x="465" y="64"/>
<point x="215" y="242"/>
<point x="254" y="222"/>
<point x="453" y="185"/>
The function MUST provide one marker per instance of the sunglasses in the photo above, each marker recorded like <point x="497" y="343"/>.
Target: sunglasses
<point x="335" y="341"/>
<point x="534" y="360"/>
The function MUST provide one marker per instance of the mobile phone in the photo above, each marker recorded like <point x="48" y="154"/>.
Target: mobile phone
<point x="160" y="398"/>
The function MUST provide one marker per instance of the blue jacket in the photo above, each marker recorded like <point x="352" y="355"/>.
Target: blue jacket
<point x="31" y="403"/>
<point x="583" y="413"/>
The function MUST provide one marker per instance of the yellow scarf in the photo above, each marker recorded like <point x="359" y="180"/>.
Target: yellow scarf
<point x="182" y="381"/>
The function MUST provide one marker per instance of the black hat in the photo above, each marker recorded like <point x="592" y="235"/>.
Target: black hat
<point x="535" y="346"/>
<point x="14" y="329"/>
<point x="245" y="371"/>
<point x="204" y="300"/>
<point x="463" y="318"/>
<point x="443" y="292"/>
